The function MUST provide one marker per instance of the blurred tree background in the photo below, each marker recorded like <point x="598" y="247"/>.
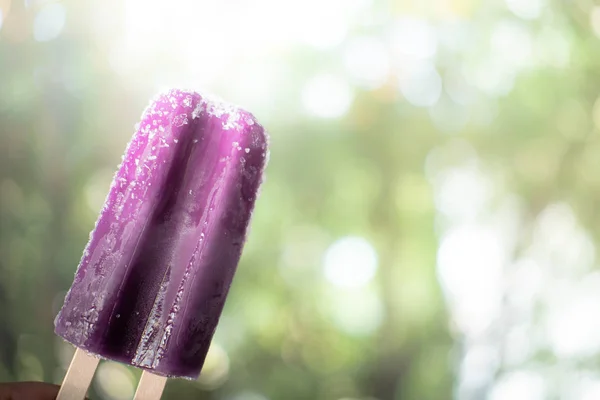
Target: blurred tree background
<point x="428" y="227"/>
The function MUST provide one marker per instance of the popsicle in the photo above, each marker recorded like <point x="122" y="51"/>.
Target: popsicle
<point x="154" y="276"/>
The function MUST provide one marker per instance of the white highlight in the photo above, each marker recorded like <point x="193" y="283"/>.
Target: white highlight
<point x="367" y="62"/>
<point x="511" y="42"/>
<point x="350" y="262"/>
<point x="588" y="388"/>
<point x="49" y="22"/>
<point x="560" y="242"/>
<point x="572" y="329"/>
<point x="462" y="193"/>
<point x="520" y="344"/>
<point x="414" y="38"/>
<point x="519" y="385"/>
<point x="526" y="9"/>
<point x="327" y="96"/>
<point x="457" y="87"/>
<point x="478" y="367"/>
<point x="492" y="78"/>
<point x="421" y="84"/>
<point x="511" y="51"/>
<point x="321" y="24"/>
<point x="203" y="42"/>
<point x="470" y="264"/>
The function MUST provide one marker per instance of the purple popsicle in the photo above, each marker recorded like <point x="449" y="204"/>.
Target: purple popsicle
<point x="154" y="276"/>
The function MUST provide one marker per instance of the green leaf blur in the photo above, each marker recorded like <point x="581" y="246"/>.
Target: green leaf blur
<point x="428" y="227"/>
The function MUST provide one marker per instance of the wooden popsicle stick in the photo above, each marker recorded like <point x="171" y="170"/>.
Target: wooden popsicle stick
<point x="150" y="387"/>
<point x="78" y="377"/>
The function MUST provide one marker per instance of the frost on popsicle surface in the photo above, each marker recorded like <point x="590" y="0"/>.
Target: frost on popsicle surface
<point x="153" y="279"/>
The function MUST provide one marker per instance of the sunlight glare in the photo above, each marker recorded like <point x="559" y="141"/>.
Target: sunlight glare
<point x="367" y="62"/>
<point x="512" y="43"/>
<point x="520" y="344"/>
<point x="572" y="330"/>
<point x="462" y="192"/>
<point x="327" y="96"/>
<point x="526" y="9"/>
<point x="49" y="22"/>
<point x="560" y="242"/>
<point x="470" y="266"/>
<point x="414" y="38"/>
<point x="519" y="385"/>
<point x="588" y="387"/>
<point x="350" y="262"/>
<point x="320" y="24"/>
<point x="478" y="367"/>
<point x="421" y="84"/>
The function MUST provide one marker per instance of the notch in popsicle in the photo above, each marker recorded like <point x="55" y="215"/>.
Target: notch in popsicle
<point x="81" y="372"/>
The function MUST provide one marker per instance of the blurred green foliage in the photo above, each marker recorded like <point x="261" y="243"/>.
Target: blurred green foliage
<point x="529" y="113"/>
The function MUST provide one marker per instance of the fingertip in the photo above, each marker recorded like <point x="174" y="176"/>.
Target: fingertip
<point x="28" y="391"/>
